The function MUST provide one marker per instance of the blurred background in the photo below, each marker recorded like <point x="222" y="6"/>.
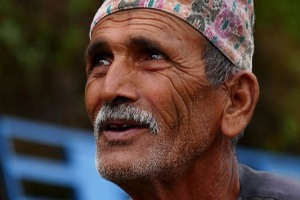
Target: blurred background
<point x="42" y="67"/>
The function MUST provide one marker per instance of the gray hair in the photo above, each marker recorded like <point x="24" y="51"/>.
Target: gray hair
<point x="219" y="69"/>
<point x="217" y="66"/>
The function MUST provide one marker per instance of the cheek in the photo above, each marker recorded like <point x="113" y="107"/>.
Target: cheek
<point x="195" y="106"/>
<point x="166" y="100"/>
<point x="205" y="115"/>
<point x="92" y="99"/>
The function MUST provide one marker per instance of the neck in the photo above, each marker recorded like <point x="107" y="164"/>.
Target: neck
<point x="213" y="176"/>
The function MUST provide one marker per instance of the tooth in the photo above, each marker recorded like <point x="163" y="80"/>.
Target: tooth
<point x="124" y="126"/>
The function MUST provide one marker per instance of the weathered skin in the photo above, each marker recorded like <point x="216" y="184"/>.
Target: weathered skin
<point x="191" y="156"/>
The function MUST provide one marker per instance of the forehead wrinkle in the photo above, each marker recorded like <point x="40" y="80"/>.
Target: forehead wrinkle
<point x="119" y="17"/>
<point x="141" y="31"/>
<point x="146" y="26"/>
<point x="159" y="24"/>
<point x="178" y="26"/>
<point x="163" y="15"/>
<point x="158" y="16"/>
<point x="177" y="23"/>
<point x="170" y="25"/>
<point x="149" y="21"/>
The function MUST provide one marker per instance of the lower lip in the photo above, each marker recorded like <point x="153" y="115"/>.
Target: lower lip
<point x="119" y="136"/>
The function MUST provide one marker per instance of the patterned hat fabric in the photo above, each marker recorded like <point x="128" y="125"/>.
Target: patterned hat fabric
<point x="228" y="24"/>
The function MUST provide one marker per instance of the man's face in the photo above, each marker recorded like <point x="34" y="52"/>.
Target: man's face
<point x="152" y="61"/>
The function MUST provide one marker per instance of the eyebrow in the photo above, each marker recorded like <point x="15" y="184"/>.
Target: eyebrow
<point x="140" y="41"/>
<point x="96" y="46"/>
<point x="145" y="43"/>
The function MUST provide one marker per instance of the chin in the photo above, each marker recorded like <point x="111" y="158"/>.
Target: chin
<point x="117" y="168"/>
<point x="131" y="165"/>
<point x="119" y="171"/>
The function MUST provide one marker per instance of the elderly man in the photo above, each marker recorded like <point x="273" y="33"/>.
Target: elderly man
<point x="169" y="90"/>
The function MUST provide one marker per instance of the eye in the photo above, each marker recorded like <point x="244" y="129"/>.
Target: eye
<point x="101" y="60"/>
<point x="156" y="55"/>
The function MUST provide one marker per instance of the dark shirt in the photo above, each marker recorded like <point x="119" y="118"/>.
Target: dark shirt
<point x="255" y="185"/>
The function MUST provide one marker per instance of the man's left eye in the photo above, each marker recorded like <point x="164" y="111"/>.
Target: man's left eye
<point x="156" y="56"/>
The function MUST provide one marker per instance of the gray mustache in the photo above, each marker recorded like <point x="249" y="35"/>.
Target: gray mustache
<point x="124" y="112"/>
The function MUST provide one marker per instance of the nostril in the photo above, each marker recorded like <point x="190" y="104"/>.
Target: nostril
<point x="120" y="100"/>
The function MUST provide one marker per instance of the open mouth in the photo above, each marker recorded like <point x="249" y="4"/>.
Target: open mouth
<point x="122" y="125"/>
<point x="121" y="130"/>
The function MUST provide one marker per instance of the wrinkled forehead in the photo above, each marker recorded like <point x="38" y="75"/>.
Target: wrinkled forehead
<point x="228" y="24"/>
<point x="144" y="28"/>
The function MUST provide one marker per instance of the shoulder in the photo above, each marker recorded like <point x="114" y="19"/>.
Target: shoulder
<point x="265" y="186"/>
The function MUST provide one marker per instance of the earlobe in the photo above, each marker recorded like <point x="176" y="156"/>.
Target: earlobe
<point x="243" y="91"/>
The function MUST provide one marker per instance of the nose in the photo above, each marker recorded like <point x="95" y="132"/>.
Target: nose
<point x="119" y="85"/>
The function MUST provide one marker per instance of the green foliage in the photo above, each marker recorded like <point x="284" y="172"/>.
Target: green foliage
<point x="276" y="123"/>
<point x="42" y="46"/>
<point x="42" y="70"/>
<point x="282" y="15"/>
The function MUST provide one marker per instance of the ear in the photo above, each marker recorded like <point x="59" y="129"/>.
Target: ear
<point x="243" y="91"/>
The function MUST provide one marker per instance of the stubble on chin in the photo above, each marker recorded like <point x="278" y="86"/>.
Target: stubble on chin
<point x="144" y="163"/>
<point x="161" y="161"/>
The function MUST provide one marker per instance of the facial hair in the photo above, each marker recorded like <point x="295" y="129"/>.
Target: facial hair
<point x="161" y="158"/>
